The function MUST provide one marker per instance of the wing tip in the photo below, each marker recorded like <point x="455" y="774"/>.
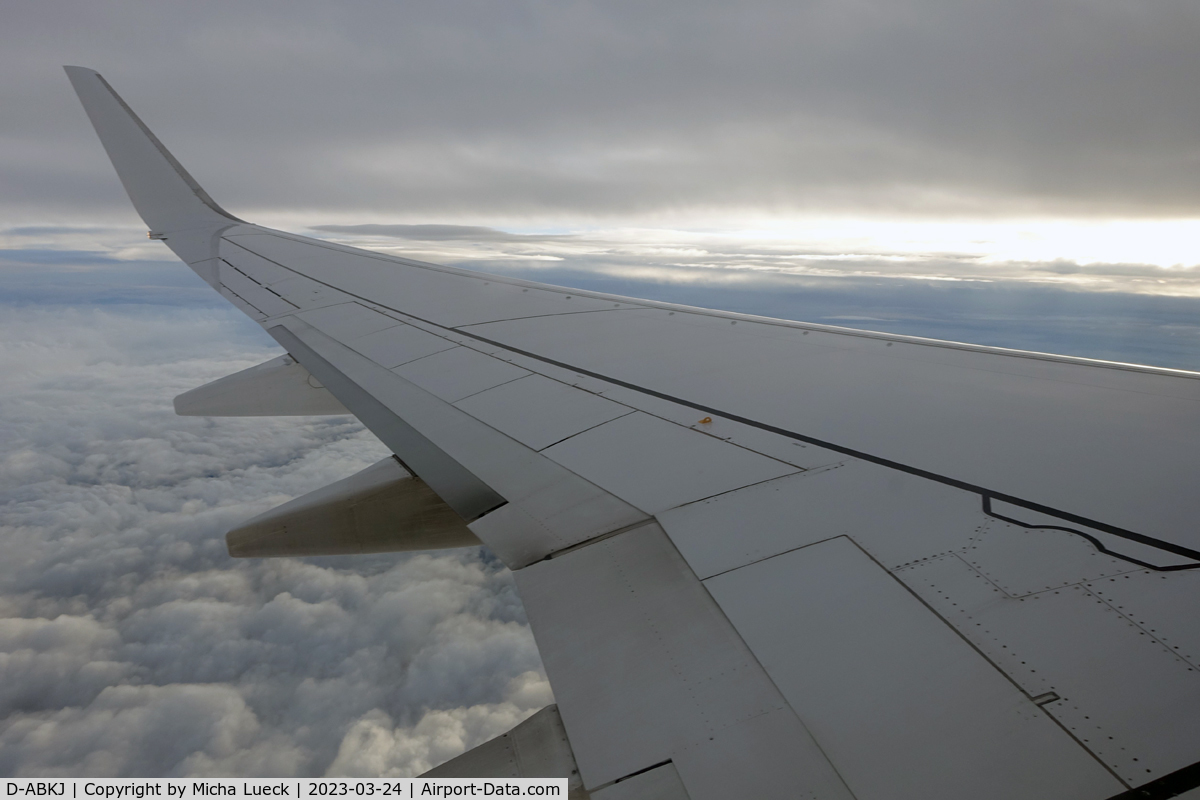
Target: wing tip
<point x="74" y="73"/>
<point x="118" y="126"/>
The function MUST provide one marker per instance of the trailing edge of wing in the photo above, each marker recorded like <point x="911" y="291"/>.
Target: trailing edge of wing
<point x="162" y="191"/>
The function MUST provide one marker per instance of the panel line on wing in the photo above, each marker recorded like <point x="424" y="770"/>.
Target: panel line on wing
<point x="590" y="428"/>
<point x="244" y="301"/>
<point x="486" y="388"/>
<point x="541" y="316"/>
<point x="597" y="539"/>
<point x="250" y="277"/>
<point x="786" y="552"/>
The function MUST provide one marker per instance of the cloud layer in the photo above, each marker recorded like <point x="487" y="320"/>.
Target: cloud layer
<point x="131" y="644"/>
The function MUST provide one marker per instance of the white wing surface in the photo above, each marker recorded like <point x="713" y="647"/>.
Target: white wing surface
<point x="764" y="558"/>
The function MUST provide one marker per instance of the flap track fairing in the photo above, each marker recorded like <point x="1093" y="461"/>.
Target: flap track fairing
<point x="281" y="387"/>
<point x="382" y="509"/>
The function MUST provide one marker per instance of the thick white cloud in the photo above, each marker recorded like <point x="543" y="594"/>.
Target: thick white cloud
<point x="132" y="645"/>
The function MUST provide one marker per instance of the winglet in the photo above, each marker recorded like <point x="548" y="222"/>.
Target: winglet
<point x="162" y="191"/>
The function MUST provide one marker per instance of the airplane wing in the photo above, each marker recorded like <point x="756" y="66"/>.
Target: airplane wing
<point x="760" y="558"/>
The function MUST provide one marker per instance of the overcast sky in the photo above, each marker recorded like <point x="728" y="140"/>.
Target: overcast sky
<point x="573" y="109"/>
<point x="1019" y="173"/>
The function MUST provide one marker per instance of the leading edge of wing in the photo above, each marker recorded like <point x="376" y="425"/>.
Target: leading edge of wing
<point x="707" y="312"/>
<point x="168" y="198"/>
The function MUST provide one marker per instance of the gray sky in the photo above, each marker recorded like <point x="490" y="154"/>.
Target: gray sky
<point x="580" y="109"/>
<point x="1023" y="173"/>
